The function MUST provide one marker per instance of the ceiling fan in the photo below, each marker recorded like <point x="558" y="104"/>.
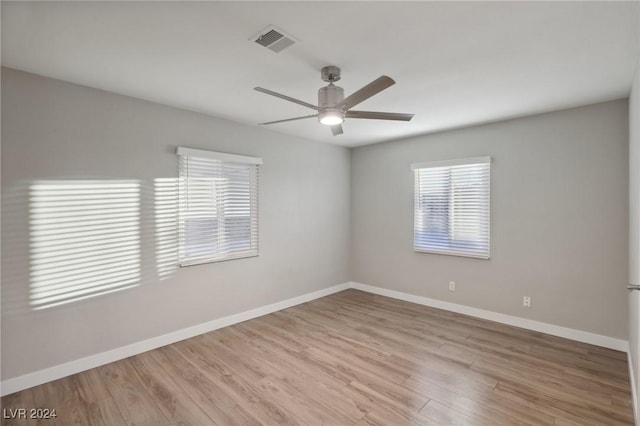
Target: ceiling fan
<point x="333" y="107"/>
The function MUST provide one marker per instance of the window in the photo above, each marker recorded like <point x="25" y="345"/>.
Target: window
<point x="451" y="210"/>
<point x="218" y="206"/>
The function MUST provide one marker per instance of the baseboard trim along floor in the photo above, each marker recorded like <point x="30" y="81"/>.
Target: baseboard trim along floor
<point x="72" y="367"/>
<point x="554" y="330"/>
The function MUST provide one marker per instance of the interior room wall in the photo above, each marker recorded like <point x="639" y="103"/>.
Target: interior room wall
<point x="559" y="218"/>
<point x="634" y="228"/>
<point x="57" y="131"/>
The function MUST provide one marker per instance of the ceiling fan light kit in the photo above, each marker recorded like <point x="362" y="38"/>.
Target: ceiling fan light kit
<point x="333" y="107"/>
<point x="331" y="118"/>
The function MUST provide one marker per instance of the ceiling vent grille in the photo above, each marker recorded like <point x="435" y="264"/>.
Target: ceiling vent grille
<point x="274" y="39"/>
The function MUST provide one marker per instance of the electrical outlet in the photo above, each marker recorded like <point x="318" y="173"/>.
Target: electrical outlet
<point x="452" y="286"/>
<point x="526" y="301"/>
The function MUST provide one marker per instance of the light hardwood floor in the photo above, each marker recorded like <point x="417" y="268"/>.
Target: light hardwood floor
<point x="350" y="359"/>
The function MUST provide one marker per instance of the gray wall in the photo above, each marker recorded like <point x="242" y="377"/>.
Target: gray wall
<point x="634" y="226"/>
<point x="559" y="218"/>
<point x="56" y="130"/>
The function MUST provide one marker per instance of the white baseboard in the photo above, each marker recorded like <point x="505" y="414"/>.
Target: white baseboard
<point x="72" y="367"/>
<point x="555" y="330"/>
<point x="76" y="366"/>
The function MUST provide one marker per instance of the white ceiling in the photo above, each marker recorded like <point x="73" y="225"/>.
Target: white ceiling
<point x="455" y="63"/>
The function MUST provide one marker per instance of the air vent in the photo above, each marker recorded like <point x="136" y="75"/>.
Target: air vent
<point x="274" y="39"/>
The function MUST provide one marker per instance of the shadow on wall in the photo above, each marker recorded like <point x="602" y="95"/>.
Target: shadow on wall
<point x="166" y="226"/>
<point x="69" y="240"/>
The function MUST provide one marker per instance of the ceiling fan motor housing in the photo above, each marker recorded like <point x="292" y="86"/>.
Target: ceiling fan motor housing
<point x="329" y="96"/>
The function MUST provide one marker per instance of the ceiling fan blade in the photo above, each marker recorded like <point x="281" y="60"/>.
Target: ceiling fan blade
<point x="373" y="88"/>
<point x="285" y="97"/>
<point x="336" y="130"/>
<point x="379" y="115"/>
<point x="289" y="119"/>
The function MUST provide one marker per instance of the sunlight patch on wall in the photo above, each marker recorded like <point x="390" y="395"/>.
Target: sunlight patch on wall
<point x="84" y="239"/>
<point x="166" y="226"/>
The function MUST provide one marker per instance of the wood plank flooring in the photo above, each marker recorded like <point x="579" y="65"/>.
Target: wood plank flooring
<point x="349" y="359"/>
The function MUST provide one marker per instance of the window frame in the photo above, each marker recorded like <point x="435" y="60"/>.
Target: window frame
<point x="447" y="245"/>
<point x="221" y="164"/>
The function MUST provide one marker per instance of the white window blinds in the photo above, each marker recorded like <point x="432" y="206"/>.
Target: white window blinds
<point x="451" y="210"/>
<point x="218" y="213"/>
